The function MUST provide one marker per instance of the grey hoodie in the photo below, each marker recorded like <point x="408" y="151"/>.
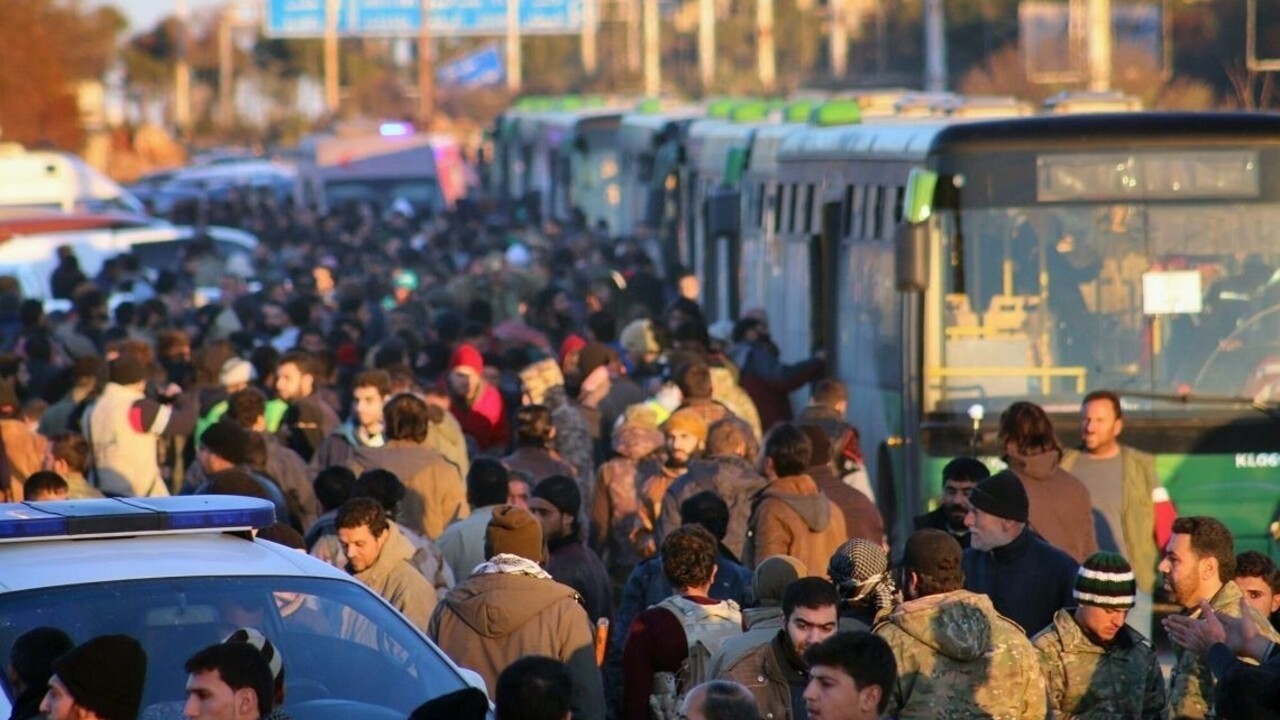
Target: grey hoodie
<point x="731" y="477"/>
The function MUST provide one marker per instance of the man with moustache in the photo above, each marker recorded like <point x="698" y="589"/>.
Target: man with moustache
<point x="686" y="435"/>
<point x="959" y="478"/>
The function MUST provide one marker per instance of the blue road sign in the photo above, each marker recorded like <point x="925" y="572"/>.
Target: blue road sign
<point x="399" y="18"/>
<point x="480" y="68"/>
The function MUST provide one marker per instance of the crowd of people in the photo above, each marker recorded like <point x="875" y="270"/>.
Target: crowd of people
<point x="541" y="453"/>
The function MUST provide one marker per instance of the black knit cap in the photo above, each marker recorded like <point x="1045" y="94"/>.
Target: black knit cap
<point x="105" y="675"/>
<point x="228" y="441"/>
<point x="127" y="370"/>
<point x="1002" y="495"/>
<point x="562" y="492"/>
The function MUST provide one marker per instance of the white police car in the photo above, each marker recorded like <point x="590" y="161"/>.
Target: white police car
<point x="182" y="573"/>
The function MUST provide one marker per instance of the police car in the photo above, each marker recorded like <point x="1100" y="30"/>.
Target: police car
<point x="182" y="573"/>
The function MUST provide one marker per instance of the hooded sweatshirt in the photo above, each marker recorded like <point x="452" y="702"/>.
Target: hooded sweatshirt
<point x="794" y="518"/>
<point x="732" y="478"/>
<point x="489" y="621"/>
<point x="954" y="651"/>
<point x="1061" y="510"/>
<point x="434" y="492"/>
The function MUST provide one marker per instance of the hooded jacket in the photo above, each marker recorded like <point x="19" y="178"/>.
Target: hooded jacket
<point x="394" y="577"/>
<point x="1061" y="510"/>
<point x="732" y="478"/>
<point x="959" y="659"/>
<point x="615" y="504"/>
<point x="337" y="446"/>
<point x="861" y="516"/>
<point x="1085" y="679"/>
<point x="794" y="518"/>
<point x="489" y="621"/>
<point x="539" y="463"/>
<point x="434" y="492"/>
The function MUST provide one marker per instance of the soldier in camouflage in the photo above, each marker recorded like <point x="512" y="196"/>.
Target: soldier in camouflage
<point x="958" y="659"/>
<point x="1095" y="665"/>
<point x="1199" y="564"/>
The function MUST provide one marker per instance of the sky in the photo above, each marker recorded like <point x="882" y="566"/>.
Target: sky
<point x="144" y="14"/>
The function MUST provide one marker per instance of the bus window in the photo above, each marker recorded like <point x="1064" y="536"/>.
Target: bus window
<point x="759" y="206"/>
<point x="877" y="214"/>
<point x="792" y="201"/>
<point x="779" y="197"/>
<point x="857" y="215"/>
<point x="808" y="209"/>
<point x="899" y="200"/>
<point x="846" y="228"/>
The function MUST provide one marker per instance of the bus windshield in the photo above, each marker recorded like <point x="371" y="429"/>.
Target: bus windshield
<point x="1050" y="301"/>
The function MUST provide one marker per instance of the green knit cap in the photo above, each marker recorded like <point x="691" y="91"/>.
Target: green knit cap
<point x="1105" y="580"/>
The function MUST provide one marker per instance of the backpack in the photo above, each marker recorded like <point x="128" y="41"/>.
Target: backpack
<point x="706" y="627"/>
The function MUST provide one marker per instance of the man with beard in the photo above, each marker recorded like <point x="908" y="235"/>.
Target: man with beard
<point x="1094" y="664"/>
<point x="775" y="672"/>
<point x="686" y="433"/>
<point x="557" y="503"/>
<point x="309" y="419"/>
<point x="1199" y="564"/>
<point x="959" y="478"/>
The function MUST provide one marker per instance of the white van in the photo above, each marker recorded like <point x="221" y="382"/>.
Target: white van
<point x="58" y="181"/>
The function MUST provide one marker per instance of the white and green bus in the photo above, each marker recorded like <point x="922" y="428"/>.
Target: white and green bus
<point x="951" y="266"/>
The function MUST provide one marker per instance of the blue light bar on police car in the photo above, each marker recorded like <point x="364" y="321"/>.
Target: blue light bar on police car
<point x="133" y="516"/>
<point x="395" y="129"/>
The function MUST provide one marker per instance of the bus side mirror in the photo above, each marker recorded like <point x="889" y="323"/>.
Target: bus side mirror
<point x="911" y="257"/>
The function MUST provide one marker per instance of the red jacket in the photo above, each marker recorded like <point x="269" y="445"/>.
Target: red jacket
<point x="485" y="420"/>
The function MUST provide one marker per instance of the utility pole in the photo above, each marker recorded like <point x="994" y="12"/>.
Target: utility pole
<point x="426" y="70"/>
<point x="935" y="47"/>
<point x="590" y="25"/>
<point x="331" y="9"/>
<point x="766" y="57"/>
<point x="226" y="58"/>
<point x="839" y="39"/>
<point x="514" y="61"/>
<point x="182" y="73"/>
<point x="633" y="35"/>
<point x="1099" y="45"/>
<point x="707" y="43"/>
<point x="652" y="50"/>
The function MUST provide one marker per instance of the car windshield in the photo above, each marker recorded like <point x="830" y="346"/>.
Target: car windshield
<point x="1147" y="297"/>
<point x="346" y="655"/>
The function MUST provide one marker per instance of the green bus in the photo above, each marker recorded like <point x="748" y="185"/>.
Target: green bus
<point x="950" y="266"/>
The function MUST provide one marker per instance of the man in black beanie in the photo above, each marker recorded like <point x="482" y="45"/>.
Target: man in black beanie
<point x="557" y="503"/>
<point x="31" y="665"/>
<point x="1027" y="579"/>
<point x="99" y="680"/>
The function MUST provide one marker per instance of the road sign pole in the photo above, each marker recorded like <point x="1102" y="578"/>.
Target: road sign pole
<point x="707" y="43"/>
<point x="766" y="62"/>
<point x="839" y="38"/>
<point x="426" y="70"/>
<point x="590" y="13"/>
<point x="331" y="9"/>
<point x="514" y="61"/>
<point x="182" y="73"/>
<point x="226" y="58"/>
<point x="652" y="50"/>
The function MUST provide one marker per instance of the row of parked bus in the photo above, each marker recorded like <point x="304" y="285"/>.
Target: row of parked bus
<point x="951" y="255"/>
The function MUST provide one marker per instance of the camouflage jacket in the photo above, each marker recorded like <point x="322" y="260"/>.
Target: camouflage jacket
<point x="958" y="659"/>
<point x="1119" y="682"/>
<point x="1191" y="683"/>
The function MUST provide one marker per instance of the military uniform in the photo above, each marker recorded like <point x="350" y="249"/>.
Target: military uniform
<point x="1087" y="680"/>
<point x="958" y="659"/>
<point x="1191" y="683"/>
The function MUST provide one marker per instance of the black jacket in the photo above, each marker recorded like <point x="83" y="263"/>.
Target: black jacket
<point x="1028" y="580"/>
<point x="937" y="520"/>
